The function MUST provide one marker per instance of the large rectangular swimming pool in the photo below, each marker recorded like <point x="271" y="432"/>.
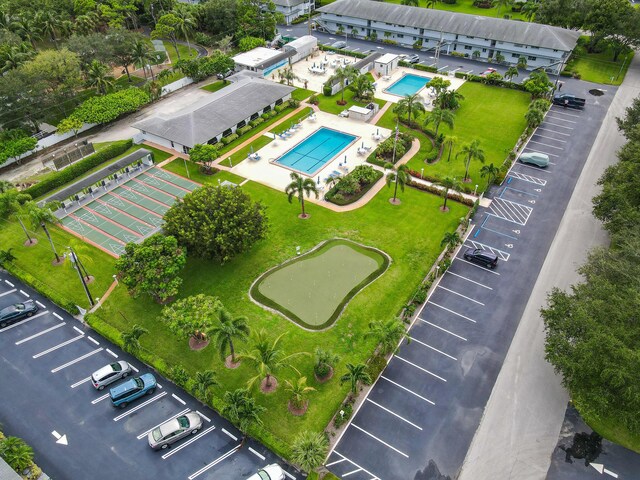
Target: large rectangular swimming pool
<point x="315" y="151"/>
<point x="408" y="85"/>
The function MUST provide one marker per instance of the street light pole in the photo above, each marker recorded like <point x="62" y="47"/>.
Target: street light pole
<point x="78" y="266"/>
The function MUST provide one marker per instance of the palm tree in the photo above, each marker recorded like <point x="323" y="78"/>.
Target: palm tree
<point x="437" y="116"/>
<point x="141" y="55"/>
<point x="449" y="142"/>
<point x="500" y="4"/>
<point x="31" y="31"/>
<point x="187" y="23"/>
<point x="522" y="62"/>
<point x="449" y="99"/>
<point x="241" y="408"/>
<point x="412" y="3"/>
<point x="49" y="23"/>
<point x="309" y="450"/>
<point x="230" y="328"/>
<point x="447" y="183"/>
<point x="86" y="23"/>
<point x="388" y="333"/>
<point x="15" y="56"/>
<point x="5" y="186"/>
<point x="267" y="358"/>
<point x="40" y="217"/>
<point x="491" y="172"/>
<point x="288" y="75"/>
<point x="355" y="375"/>
<point x="325" y="360"/>
<point x="475" y="54"/>
<point x="529" y="9"/>
<point x="534" y="117"/>
<point x="471" y="151"/>
<point x="98" y="76"/>
<point x="430" y="3"/>
<point x="225" y="43"/>
<point x="342" y="75"/>
<point x="511" y="72"/>
<point x="300" y="187"/>
<point x="16" y="453"/>
<point x="202" y="382"/>
<point x="299" y="391"/>
<point x="411" y="105"/>
<point x="131" y="339"/>
<point x="400" y="176"/>
<point x="354" y="32"/>
<point x="451" y="240"/>
<point x="362" y="86"/>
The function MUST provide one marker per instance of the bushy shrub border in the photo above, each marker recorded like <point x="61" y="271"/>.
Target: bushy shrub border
<point x="491" y="81"/>
<point x="353" y="198"/>
<point x="452" y="195"/>
<point x="58" y="179"/>
<point x="349" y="53"/>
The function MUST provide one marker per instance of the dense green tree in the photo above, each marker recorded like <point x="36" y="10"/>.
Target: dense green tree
<point x="122" y="47"/>
<point x="564" y="13"/>
<point x="309" y="450"/>
<point x="204" y="155"/>
<point x="299" y="187"/>
<point x="192" y="317"/>
<point x="410" y="105"/>
<point x="152" y="267"/>
<point x="534" y="117"/>
<point x="257" y="18"/>
<point x="411" y="3"/>
<point x="12" y="145"/>
<point x="98" y="75"/>
<point x="471" y="151"/>
<point x="388" y="333"/>
<point x="249" y="43"/>
<point x="530" y="9"/>
<point x="169" y="27"/>
<point x="217" y="222"/>
<point x="94" y="46"/>
<point x="109" y="107"/>
<point x="342" y="75"/>
<point x="218" y="17"/>
<point x="630" y="124"/>
<point x="538" y="84"/>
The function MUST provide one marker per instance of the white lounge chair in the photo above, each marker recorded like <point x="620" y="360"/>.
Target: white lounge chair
<point x="344" y="114"/>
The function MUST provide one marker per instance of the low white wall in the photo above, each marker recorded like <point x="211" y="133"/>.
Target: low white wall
<point x="172" y="87"/>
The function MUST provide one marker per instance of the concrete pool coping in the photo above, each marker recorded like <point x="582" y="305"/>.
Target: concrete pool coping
<point x="405" y="75"/>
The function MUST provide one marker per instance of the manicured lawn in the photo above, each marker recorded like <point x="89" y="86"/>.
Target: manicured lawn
<point x="330" y="105"/>
<point x="63" y="279"/>
<point x="409" y="233"/>
<point x="185" y="53"/>
<point x="177" y="166"/>
<point x="241" y="155"/>
<point x="466" y="6"/>
<point x="599" y="67"/>
<point x="301" y="94"/>
<point x="215" y="86"/>
<point x="612" y="430"/>
<point x="388" y="120"/>
<point x="294" y="119"/>
<point x="493" y="115"/>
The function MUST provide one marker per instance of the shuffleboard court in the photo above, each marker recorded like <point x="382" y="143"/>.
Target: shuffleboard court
<point x="138" y="199"/>
<point x="120" y="218"/>
<point x="162" y="185"/>
<point x="106" y="226"/>
<point x="148" y="217"/>
<point x="173" y="178"/>
<point x="146" y="190"/>
<point x="96" y="236"/>
<point x="313" y="289"/>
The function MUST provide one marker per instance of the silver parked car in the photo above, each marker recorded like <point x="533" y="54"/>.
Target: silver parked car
<point x="270" y="472"/>
<point x="109" y="374"/>
<point x="535" y="158"/>
<point x="174" y="430"/>
<point x="339" y="44"/>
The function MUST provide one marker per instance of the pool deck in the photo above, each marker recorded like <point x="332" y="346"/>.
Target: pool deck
<point x="383" y="84"/>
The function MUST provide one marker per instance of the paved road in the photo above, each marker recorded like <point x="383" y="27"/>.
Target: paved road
<point x="522" y="421"/>
<point x="420" y="417"/>
<point x="45" y="363"/>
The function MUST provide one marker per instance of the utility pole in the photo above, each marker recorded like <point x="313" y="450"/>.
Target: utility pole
<point x="79" y="267"/>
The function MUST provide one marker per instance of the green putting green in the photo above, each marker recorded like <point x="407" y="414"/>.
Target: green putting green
<point x="313" y="289"/>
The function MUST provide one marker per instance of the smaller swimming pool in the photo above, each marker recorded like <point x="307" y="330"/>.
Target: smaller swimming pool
<point x="408" y="85"/>
<point x="315" y="151"/>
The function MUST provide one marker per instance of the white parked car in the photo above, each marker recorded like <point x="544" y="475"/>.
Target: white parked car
<point x="109" y="374"/>
<point x="173" y="430"/>
<point x="270" y="472"/>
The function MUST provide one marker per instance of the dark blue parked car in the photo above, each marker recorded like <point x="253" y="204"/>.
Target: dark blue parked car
<point x="130" y="390"/>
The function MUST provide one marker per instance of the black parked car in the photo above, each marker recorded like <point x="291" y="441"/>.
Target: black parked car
<point x="481" y="257"/>
<point x="17" y="312"/>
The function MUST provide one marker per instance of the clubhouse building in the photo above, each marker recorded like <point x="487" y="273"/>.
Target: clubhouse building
<point x="473" y="36"/>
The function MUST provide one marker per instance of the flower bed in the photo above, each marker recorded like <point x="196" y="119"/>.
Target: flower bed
<point x="353" y="186"/>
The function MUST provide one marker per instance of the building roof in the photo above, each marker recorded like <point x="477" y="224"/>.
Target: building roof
<point x="303" y="42"/>
<point x="387" y="58"/>
<point x="288" y="3"/>
<point x="256" y="57"/>
<point x="360" y="110"/>
<point x="498" y="29"/>
<point x="210" y="117"/>
<point x="367" y="60"/>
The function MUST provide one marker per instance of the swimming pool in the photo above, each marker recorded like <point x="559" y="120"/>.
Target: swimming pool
<point x="408" y="85"/>
<point x="315" y="151"/>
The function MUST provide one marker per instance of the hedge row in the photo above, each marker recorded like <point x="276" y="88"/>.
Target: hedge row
<point x="41" y="288"/>
<point x="452" y="195"/>
<point x="58" y="179"/>
<point x="490" y="81"/>
<point x="341" y="51"/>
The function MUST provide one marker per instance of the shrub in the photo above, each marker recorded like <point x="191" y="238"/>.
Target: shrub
<point x="256" y="122"/>
<point x="279" y="108"/>
<point x="243" y="130"/>
<point x="228" y="139"/>
<point x="265" y="115"/>
<point x="354" y="185"/>
<point x="293" y="103"/>
<point x="313" y="99"/>
<point x="106" y="108"/>
<point x="58" y="179"/>
<point x="326" y="90"/>
<point x="347" y="411"/>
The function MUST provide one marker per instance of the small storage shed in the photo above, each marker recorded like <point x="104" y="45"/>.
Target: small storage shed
<point x="363" y="113"/>
<point x="302" y="47"/>
<point x="386" y="64"/>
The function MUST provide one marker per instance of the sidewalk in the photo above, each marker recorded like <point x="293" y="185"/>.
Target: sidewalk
<point x="524" y="415"/>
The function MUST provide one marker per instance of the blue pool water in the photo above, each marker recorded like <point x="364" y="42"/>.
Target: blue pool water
<point x="408" y="85"/>
<point x="315" y="151"/>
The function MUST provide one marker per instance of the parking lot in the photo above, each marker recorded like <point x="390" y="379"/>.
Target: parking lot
<point x="421" y="415"/>
<point x="48" y="400"/>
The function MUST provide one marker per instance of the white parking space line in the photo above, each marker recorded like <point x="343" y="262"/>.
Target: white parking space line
<point x="178" y="399"/>
<point x="9" y="283"/>
<point x="93" y="340"/>
<point x="420" y="368"/>
<point x="546" y="145"/>
<point x="550" y="138"/>
<point x="433" y="348"/>
<point x="203" y="416"/>
<point x="443" y="329"/>
<point x="257" y="454"/>
<point x="40" y="304"/>
<point x="459" y="294"/>
<point x="23" y="322"/>
<point x="99" y="399"/>
<point x="336" y="462"/>
<point x="351" y="472"/>
<point x="215" y="462"/>
<point x="138" y="407"/>
<point x="76" y="360"/>
<point x="558" y="111"/>
<point x="453" y="312"/>
<point x="60" y="345"/>
<point x="159" y="386"/>
<point x="468" y="279"/>
<point x="146" y="432"/>
<point x="560" y="119"/>
<point x="229" y="434"/>
<point x="558" y="125"/>
<point x="373" y="477"/>
<point x="24" y="293"/>
<point x="188" y="442"/>
<point x="80" y="382"/>
<point x="7" y="292"/>
<point x="529" y="149"/>
<point x="504" y="256"/>
<point x="113" y="354"/>
<point x="529" y="178"/>
<point x="57" y="316"/>
<point x="289" y="475"/>
<point x="134" y="368"/>
<point x="407" y="390"/>
<point x="379" y="440"/>
<point x="478" y="266"/>
<point x="20" y="342"/>
<point x="551" y="130"/>
<point x="78" y="330"/>
<point x="394" y="414"/>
